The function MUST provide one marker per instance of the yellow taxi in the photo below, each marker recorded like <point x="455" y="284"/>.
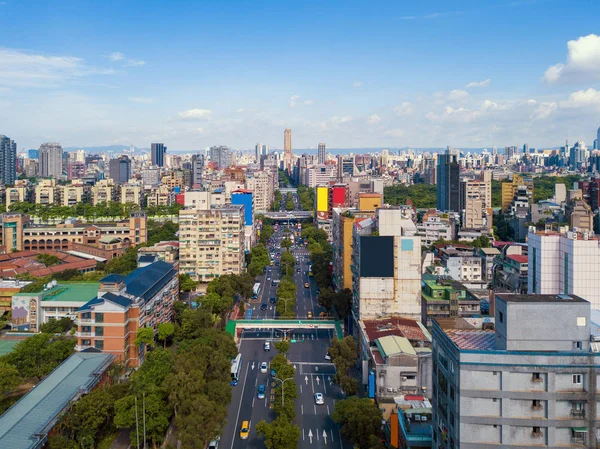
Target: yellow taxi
<point x="309" y="314"/>
<point x="245" y="430"/>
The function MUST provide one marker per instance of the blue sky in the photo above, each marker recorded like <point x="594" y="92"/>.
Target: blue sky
<point x="351" y="74"/>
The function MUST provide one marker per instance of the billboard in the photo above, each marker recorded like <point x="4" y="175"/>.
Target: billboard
<point x="322" y="199"/>
<point x="339" y="196"/>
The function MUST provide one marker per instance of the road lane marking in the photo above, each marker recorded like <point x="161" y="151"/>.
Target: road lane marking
<point x="302" y="409"/>
<point x="253" y="402"/>
<point x="329" y="414"/>
<point x="303" y="434"/>
<point x="315" y="409"/>
<point x="312" y="382"/>
<point x="324" y="386"/>
<point x="237" y="419"/>
<point x="300" y="388"/>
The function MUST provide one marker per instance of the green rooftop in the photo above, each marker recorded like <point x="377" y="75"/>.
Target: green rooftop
<point x="69" y="291"/>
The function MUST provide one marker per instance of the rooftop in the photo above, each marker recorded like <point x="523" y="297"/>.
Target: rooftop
<point x="518" y="258"/>
<point x="27" y="422"/>
<point x="540" y="298"/>
<point x="474" y="339"/>
<point x="399" y="326"/>
<point x="75" y="292"/>
<point x="392" y="345"/>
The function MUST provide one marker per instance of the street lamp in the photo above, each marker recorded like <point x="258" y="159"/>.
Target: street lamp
<point x="282" y="388"/>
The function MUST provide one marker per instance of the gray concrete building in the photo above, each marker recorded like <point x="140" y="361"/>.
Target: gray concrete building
<point x="528" y="379"/>
<point x="8" y="160"/>
<point x="50" y="160"/>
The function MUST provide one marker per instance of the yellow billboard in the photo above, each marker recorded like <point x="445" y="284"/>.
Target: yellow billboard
<point x="322" y="198"/>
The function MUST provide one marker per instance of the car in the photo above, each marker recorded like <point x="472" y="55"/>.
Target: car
<point x="267" y="346"/>
<point x="327" y="356"/>
<point x="245" y="430"/>
<point x="273" y="284"/>
<point x="297" y="270"/>
<point x="273" y="300"/>
<point x="306" y="285"/>
<point x="318" y="291"/>
<point x="276" y="264"/>
<point x="261" y="392"/>
<point x="264" y="306"/>
<point x="310" y="273"/>
<point x="214" y="444"/>
<point x="263" y="367"/>
<point x="319" y="399"/>
<point x="268" y="278"/>
<point x="273" y="373"/>
<point x="309" y="314"/>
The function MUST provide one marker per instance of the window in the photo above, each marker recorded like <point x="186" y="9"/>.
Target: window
<point x="577" y="379"/>
<point x="99" y="331"/>
<point x="501" y="317"/>
<point x="581" y="321"/>
<point x="99" y="344"/>
<point x="99" y="317"/>
<point x="536" y="377"/>
<point x="577" y="345"/>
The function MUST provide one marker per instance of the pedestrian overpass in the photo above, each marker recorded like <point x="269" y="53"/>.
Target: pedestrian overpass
<point x="289" y="216"/>
<point x="286" y="190"/>
<point x="235" y="326"/>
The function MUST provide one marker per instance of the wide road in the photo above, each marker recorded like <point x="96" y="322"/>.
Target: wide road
<point x="314" y="374"/>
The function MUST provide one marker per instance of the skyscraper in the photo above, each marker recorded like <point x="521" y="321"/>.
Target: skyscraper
<point x="120" y="169"/>
<point x="8" y="160"/>
<point x="158" y="151"/>
<point x="598" y="138"/>
<point x="221" y="155"/>
<point x="321" y="153"/>
<point x="448" y="181"/>
<point x="50" y="160"/>
<point x="287" y="142"/>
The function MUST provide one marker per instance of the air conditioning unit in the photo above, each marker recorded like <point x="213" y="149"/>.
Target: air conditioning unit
<point x="389" y="390"/>
<point x="537" y="434"/>
<point x="404" y="378"/>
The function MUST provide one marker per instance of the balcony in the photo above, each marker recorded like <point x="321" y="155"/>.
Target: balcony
<point x="85" y="334"/>
<point x="578" y="413"/>
<point x="82" y="347"/>
<point x="79" y="321"/>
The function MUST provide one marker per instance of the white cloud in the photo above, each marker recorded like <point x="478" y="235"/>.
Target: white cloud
<point x="457" y="95"/>
<point x="582" y="64"/>
<point x="544" y="110"/>
<point x="293" y="100"/>
<point x="28" y="69"/>
<point x="397" y="132"/>
<point x="404" y="108"/>
<point x="195" y="114"/>
<point x="117" y="56"/>
<point x="308" y="102"/>
<point x="338" y="120"/>
<point x="357" y="84"/>
<point x="588" y="98"/>
<point x="145" y="100"/>
<point x="374" y="119"/>
<point x="240" y="110"/>
<point x="483" y="83"/>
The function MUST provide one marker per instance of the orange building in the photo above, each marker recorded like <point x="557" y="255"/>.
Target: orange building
<point x="110" y="321"/>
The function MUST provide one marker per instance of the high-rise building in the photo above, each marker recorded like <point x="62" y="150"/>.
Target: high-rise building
<point x="211" y="241"/>
<point x="197" y="167"/>
<point x="120" y="169"/>
<point x="598" y="138"/>
<point x="321" y="153"/>
<point x="287" y="141"/>
<point x="527" y="380"/>
<point x="51" y="160"/>
<point x="157" y="153"/>
<point x="386" y="268"/>
<point x="510" y="190"/>
<point x="222" y="155"/>
<point x="564" y="263"/>
<point x="261" y="184"/>
<point x="448" y="181"/>
<point x="8" y="160"/>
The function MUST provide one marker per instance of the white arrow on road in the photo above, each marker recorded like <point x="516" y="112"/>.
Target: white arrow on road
<point x="310" y="435"/>
<point x="317" y="379"/>
<point x="325" y="436"/>
<point x="252" y="365"/>
<point x="306" y="379"/>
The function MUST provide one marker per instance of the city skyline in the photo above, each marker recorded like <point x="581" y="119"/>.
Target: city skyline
<point x="398" y="75"/>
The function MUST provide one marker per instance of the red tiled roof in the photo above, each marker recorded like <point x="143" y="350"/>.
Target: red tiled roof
<point x="473" y="339"/>
<point x="518" y="258"/>
<point x="399" y="326"/>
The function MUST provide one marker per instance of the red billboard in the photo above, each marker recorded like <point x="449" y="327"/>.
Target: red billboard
<point x="339" y="196"/>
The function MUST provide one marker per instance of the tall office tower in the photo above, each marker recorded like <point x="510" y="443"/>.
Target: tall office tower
<point x="287" y="141"/>
<point x="321" y="153"/>
<point x="8" y="160"/>
<point x="524" y="381"/>
<point x="598" y="138"/>
<point x="120" y="169"/>
<point x="526" y="149"/>
<point x="222" y="155"/>
<point x="448" y="181"/>
<point x="50" y="159"/>
<point x="158" y="151"/>
<point x="197" y="167"/>
<point x="264" y="150"/>
<point x="257" y="151"/>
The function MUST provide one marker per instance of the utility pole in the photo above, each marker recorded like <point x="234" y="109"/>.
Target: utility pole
<point x="137" y="424"/>
<point x="144" y="416"/>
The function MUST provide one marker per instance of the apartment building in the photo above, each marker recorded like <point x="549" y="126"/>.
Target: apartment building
<point x="211" y="241"/>
<point x="17" y="194"/>
<point x="46" y="192"/>
<point x="262" y="183"/>
<point x="160" y="196"/>
<point x="102" y="192"/>
<point x="531" y="381"/>
<point x="110" y="321"/>
<point x="71" y="195"/>
<point x="435" y="227"/>
<point x="19" y="232"/>
<point x="386" y="268"/>
<point x="131" y="193"/>
<point x="511" y="189"/>
<point x="460" y="262"/>
<point x="442" y="298"/>
<point x="564" y="263"/>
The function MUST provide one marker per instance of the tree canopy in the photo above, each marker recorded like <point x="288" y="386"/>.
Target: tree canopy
<point x="360" y="421"/>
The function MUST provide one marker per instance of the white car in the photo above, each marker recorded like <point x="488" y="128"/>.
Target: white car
<point x="327" y="356"/>
<point x="263" y="367"/>
<point x="319" y="399"/>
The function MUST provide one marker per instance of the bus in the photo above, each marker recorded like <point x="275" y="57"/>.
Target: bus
<point x="256" y="290"/>
<point x="236" y="369"/>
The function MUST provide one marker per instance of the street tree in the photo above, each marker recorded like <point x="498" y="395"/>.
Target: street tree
<point x="343" y="355"/>
<point x="279" y="434"/>
<point x="287" y="263"/>
<point x="282" y="346"/>
<point x="10" y="378"/>
<point x="360" y="421"/>
<point x="145" y="335"/>
<point x="186" y="283"/>
<point x="165" y="330"/>
<point x="286" y="243"/>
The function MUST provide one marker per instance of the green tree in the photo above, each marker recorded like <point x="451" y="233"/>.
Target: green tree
<point x="287" y="263"/>
<point x="157" y="415"/>
<point x="282" y="346"/>
<point x="186" y="283"/>
<point x="145" y="335"/>
<point x="165" y="330"/>
<point x="54" y="326"/>
<point x="286" y="243"/>
<point x="360" y="421"/>
<point x="423" y="196"/>
<point x="342" y="302"/>
<point x="38" y="355"/>
<point x="279" y="434"/>
<point x="47" y="259"/>
<point x="343" y="354"/>
<point x="9" y="378"/>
